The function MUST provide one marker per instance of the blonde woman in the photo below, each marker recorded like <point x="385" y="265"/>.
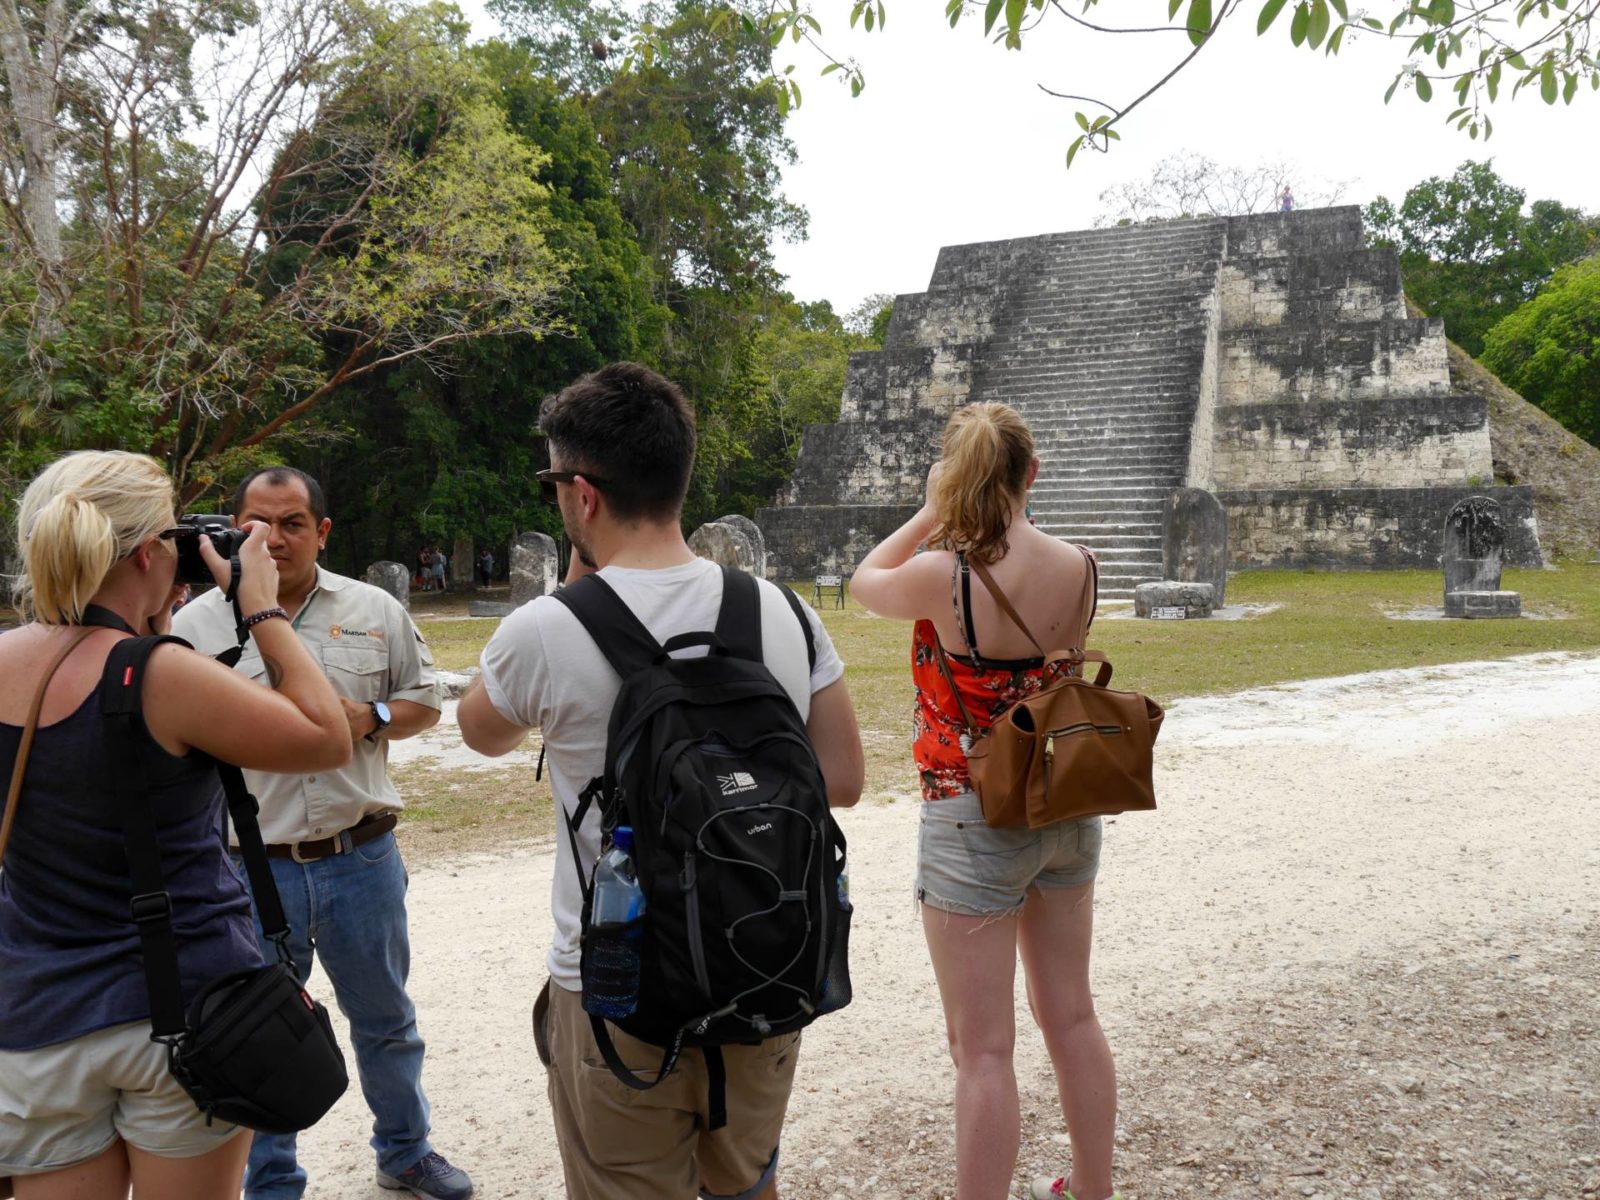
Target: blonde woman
<point x="87" y="1105"/>
<point x="988" y="894"/>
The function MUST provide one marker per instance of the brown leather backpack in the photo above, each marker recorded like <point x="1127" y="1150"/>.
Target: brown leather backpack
<point x="1073" y="749"/>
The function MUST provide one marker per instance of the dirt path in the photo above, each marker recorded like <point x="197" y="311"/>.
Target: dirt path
<point x="1354" y="955"/>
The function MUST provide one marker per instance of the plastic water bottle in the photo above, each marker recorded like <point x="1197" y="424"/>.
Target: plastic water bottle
<point x="611" y="968"/>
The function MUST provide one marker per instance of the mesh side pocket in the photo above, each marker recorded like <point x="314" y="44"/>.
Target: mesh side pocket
<point x="836" y="991"/>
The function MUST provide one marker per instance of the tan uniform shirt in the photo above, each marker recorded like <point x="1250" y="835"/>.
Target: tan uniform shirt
<point x="370" y="650"/>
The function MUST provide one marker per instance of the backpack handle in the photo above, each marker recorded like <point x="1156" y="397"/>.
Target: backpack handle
<point x="685" y="640"/>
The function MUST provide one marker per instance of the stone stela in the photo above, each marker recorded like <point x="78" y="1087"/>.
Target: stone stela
<point x="1474" y="549"/>
<point x="1266" y="360"/>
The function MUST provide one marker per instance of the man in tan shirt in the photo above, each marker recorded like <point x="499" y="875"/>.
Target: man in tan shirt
<point x="330" y="835"/>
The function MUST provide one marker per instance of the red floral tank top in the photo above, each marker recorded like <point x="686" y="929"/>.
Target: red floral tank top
<point x="936" y="726"/>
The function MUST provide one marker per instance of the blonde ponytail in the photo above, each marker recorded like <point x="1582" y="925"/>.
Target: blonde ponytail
<point x="78" y="519"/>
<point x="987" y="453"/>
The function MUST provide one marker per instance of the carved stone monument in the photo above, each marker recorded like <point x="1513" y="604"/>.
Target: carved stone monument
<point x="393" y="578"/>
<point x="1194" y="540"/>
<point x="725" y="544"/>
<point x="1474" y="547"/>
<point x="463" y="563"/>
<point x="534" y="569"/>
<point x="757" y="540"/>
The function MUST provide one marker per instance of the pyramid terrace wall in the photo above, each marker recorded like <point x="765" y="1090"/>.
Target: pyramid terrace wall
<point x="1267" y="358"/>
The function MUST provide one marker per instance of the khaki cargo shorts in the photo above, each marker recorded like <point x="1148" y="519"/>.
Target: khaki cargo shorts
<point x="65" y="1104"/>
<point x="621" y="1144"/>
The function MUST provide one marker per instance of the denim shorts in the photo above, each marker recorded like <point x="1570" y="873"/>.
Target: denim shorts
<point x="964" y="866"/>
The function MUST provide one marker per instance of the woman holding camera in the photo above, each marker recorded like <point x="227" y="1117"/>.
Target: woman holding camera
<point x="987" y="894"/>
<point x="87" y="1104"/>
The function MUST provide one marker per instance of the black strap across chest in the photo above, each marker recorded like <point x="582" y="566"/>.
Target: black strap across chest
<point x="122" y="706"/>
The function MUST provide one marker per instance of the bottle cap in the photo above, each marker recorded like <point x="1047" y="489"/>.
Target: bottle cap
<point x="622" y="838"/>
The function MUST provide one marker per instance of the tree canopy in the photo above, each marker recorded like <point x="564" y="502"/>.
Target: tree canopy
<point x="1549" y="349"/>
<point x="1472" y="250"/>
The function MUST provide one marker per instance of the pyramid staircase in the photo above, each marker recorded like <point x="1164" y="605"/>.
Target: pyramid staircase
<point x="1100" y="342"/>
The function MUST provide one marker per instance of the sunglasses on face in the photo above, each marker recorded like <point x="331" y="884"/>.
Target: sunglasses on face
<point x="548" y="480"/>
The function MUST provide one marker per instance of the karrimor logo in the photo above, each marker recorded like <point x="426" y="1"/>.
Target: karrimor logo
<point x="739" y="781"/>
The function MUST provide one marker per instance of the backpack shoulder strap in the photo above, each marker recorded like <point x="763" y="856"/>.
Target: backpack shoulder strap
<point x="122" y="705"/>
<point x="620" y="635"/>
<point x="805" y="624"/>
<point x="739" y="619"/>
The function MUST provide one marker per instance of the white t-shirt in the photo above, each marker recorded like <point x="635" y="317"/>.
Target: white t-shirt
<point x="542" y="670"/>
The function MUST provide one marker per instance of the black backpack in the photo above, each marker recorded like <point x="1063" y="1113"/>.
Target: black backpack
<point x="746" y="922"/>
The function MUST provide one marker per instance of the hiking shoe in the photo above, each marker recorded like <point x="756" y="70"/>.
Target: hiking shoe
<point x="432" y="1178"/>
<point x="1055" y="1189"/>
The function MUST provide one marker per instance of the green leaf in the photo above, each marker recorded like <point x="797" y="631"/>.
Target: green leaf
<point x="1372" y="23"/>
<point x="1571" y="89"/>
<point x="1517" y="61"/>
<point x="1199" y="21"/>
<point x="1072" y="150"/>
<point x="1301" y="22"/>
<point x="953" y="10"/>
<point x="990" y="12"/>
<point x="1083" y="121"/>
<point x="1015" y="11"/>
<point x="1547" y="81"/>
<point x="1389" y="95"/>
<point x="1269" y="14"/>
<point x="1172" y="8"/>
<point x="1320" y="19"/>
<point x="1341" y="8"/>
<point x="1493" y="82"/>
<point x="1337" y="40"/>
<point x="831" y="68"/>
<point x="1424" y="89"/>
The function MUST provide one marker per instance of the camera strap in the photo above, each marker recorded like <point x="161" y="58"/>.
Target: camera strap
<point x="230" y="657"/>
<point x="122" y="705"/>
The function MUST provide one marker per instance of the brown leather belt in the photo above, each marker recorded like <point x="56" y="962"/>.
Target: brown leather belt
<point x="340" y="843"/>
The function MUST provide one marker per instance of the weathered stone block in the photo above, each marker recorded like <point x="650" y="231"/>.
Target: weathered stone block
<point x="1194" y="540"/>
<point x="758" y="541"/>
<point x="1483" y="604"/>
<point x="535" y="567"/>
<point x="1196" y="599"/>
<point x="393" y="578"/>
<point x="726" y="545"/>
<point x="490" y="608"/>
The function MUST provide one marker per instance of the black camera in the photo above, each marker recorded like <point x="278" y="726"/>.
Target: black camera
<point x="192" y="568"/>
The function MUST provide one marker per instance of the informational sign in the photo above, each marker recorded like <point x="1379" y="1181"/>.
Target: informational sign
<point x="1176" y="612"/>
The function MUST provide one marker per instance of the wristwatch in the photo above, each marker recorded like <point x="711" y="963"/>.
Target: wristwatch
<point x="380" y="714"/>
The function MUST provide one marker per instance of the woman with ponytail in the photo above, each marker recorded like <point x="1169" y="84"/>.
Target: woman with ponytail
<point x="88" y="1107"/>
<point x="988" y="894"/>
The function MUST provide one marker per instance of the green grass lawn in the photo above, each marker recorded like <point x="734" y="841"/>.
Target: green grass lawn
<point x="1329" y="623"/>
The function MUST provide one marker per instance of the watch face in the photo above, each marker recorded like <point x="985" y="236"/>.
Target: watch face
<point x="382" y="709"/>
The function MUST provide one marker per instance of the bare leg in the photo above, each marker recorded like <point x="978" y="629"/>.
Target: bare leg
<point x="216" y="1175"/>
<point x="1054" y="935"/>
<point x="975" y="962"/>
<point x="103" y="1177"/>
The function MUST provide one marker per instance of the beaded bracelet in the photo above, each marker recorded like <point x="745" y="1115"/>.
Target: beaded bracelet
<point x="266" y="614"/>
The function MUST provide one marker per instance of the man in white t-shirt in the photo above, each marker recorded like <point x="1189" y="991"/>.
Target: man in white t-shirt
<point x="621" y="452"/>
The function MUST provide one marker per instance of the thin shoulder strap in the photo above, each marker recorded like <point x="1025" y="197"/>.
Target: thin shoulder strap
<point x="20" y="768"/>
<point x="1005" y="605"/>
<point x="620" y="635"/>
<point x="739" y="618"/>
<point x="1091" y="589"/>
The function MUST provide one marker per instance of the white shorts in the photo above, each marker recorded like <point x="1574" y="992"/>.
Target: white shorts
<point x="65" y="1104"/>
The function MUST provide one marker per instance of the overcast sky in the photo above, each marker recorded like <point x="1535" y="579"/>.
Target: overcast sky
<point x="952" y="141"/>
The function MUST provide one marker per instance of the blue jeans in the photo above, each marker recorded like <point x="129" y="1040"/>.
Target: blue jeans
<point x="350" y="910"/>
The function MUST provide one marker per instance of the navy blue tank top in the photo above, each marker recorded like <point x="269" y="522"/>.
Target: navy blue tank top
<point x="69" y="952"/>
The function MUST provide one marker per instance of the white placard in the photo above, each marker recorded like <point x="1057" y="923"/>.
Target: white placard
<point x="1176" y="612"/>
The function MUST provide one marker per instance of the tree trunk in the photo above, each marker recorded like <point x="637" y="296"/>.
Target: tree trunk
<point x="33" y="80"/>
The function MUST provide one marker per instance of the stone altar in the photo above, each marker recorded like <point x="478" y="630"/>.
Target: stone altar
<point x="392" y="577"/>
<point x="534" y="567"/>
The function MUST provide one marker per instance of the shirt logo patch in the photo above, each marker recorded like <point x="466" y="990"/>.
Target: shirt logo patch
<point x="334" y="631"/>
<point x="739" y="781"/>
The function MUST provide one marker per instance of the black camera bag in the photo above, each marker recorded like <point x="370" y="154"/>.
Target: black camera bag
<point x="254" y="1049"/>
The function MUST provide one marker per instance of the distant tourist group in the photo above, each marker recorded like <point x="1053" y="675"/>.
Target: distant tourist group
<point x="701" y="901"/>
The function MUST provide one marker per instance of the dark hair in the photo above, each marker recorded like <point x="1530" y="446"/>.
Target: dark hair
<point x="277" y="477"/>
<point x="634" y="430"/>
